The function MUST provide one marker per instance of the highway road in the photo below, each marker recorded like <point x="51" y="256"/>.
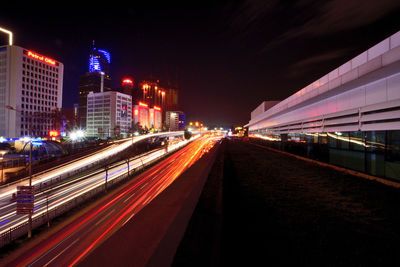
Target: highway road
<point x="54" y="197"/>
<point x="73" y="242"/>
<point x="7" y="190"/>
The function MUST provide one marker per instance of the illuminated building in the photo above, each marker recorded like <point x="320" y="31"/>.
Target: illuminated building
<point x="175" y="120"/>
<point x="31" y="86"/>
<point x="99" y="61"/>
<point x="127" y="86"/>
<point x="152" y="93"/>
<point x="96" y="80"/>
<point x="109" y="114"/>
<point x="141" y="115"/>
<point x="171" y="99"/>
<point x="349" y="117"/>
<point x="156" y="118"/>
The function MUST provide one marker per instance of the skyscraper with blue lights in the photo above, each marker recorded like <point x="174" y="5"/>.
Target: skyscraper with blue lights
<point x="96" y="80"/>
<point x="99" y="60"/>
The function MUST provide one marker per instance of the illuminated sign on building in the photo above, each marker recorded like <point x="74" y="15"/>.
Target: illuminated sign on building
<point x="54" y="133"/>
<point x="124" y="111"/>
<point x="127" y="81"/>
<point x="41" y="58"/>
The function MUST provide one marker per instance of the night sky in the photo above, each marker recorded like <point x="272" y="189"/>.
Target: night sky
<point x="225" y="57"/>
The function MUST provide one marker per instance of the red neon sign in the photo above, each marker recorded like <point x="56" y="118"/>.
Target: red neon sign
<point x="41" y="58"/>
<point x="53" y="133"/>
<point x="127" y="81"/>
<point x="143" y="104"/>
<point x="157" y="108"/>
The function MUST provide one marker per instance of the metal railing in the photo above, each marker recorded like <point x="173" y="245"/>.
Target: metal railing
<point x="21" y="229"/>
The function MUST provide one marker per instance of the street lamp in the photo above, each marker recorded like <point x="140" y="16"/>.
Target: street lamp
<point x="30" y="166"/>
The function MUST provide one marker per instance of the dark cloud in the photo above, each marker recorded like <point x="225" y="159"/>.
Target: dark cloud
<point x="327" y="18"/>
<point x="305" y="65"/>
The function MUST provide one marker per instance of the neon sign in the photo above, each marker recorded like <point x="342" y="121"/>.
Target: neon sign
<point x="54" y="133"/>
<point x="143" y="104"/>
<point x="127" y="81"/>
<point x="157" y="108"/>
<point x="41" y="58"/>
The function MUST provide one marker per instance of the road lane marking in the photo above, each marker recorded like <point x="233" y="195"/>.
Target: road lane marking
<point x="130" y="217"/>
<point x="105" y="217"/>
<point x="61" y="252"/>
<point x="129" y="198"/>
<point x="144" y="185"/>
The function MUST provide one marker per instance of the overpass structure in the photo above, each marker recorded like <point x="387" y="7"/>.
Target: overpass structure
<point x="349" y="117"/>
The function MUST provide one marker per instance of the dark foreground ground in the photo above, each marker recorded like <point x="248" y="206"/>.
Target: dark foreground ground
<point x="263" y="208"/>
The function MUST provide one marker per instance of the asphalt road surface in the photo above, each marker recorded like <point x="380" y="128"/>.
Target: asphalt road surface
<point x="77" y="239"/>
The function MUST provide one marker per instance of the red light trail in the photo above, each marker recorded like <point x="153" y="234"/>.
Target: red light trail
<point x="73" y="242"/>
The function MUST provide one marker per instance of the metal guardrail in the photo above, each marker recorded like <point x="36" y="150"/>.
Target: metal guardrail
<point x="69" y="174"/>
<point x="22" y="229"/>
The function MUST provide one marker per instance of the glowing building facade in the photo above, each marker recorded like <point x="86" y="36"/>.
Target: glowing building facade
<point x="349" y="117"/>
<point x="97" y="79"/>
<point x="31" y="86"/>
<point x="175" y="120"/>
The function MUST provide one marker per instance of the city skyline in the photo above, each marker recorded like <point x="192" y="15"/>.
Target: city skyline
<point x="225" y="58"/>
<point x="210" y="133"/>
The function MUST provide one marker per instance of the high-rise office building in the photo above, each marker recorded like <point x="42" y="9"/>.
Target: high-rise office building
<point x="171" y="99"/>
<point x="152" y="93"/>
<point x="141" y="116"/>
<point x="99" y="60"/>
<point x="96" y="80"/>
<point x="31" y="88"/>
<point x="109" y="114"/>
<point x="175" y="120"/>
<point x="127" y="86"/>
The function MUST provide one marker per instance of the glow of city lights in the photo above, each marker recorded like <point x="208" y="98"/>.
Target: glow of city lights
<point x="157" y="108"/>
<point x="136" y="112"/>
<point x="75" y="135"/>
<point x="143" y="104"/>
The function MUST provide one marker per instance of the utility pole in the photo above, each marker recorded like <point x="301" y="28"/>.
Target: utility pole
<point x="30" y="175"/>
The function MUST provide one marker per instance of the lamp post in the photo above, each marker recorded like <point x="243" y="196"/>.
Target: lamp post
<point x="30" y="166"/>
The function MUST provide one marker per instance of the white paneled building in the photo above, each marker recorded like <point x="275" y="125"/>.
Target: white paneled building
<point x="109" y="114"/>
<point x="31" y="87"/>
<point x="349" y="117"/>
